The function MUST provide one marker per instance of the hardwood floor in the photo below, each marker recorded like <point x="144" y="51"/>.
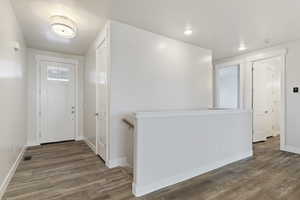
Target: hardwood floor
<point x="67" y="171"/>
<point x="70" y="171"/>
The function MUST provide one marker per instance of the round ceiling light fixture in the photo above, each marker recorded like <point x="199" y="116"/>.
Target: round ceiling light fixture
<point x="63" y="26"/>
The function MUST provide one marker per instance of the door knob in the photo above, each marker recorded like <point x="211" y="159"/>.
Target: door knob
<point x="96" y="114"/>
<point x="266" y="112"/>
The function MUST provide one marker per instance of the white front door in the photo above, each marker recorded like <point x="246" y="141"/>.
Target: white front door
<point x="262" y="104"/>
<point x="102" y="104"/>
<point x="58" y="111"/>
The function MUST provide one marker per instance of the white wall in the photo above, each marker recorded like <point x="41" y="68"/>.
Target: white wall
<point x="153" y="72"/>
<point x="292" y="136"/>
<point x="32" y="91"/>
<point x="171" y="147"/>
<point x="148" y="72"/>
<point x="13" y="96"/>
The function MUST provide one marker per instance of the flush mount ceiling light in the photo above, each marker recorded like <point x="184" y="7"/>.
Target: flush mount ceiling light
<point x="188" y="31"/>
<point x="63" y="27"/>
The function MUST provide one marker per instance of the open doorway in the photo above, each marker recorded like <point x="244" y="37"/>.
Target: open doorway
<point x="266" y="98"/>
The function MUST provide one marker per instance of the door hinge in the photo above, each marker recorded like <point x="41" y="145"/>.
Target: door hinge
<point x="40" y="113"/>
<point x="40" y="134"/>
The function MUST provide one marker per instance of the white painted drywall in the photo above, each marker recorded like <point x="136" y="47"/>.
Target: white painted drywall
<point x="292" y="136"/>
<point x="153" y="72"/>
<point x="171" y="147"/>
<point x="219" y="25"/>
<point x="32" y="91"/>
<point x="13" y="96"/>
<point x="148" y="72"/>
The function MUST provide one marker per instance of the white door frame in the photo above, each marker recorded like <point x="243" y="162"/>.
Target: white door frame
<point x="264" y="56"/>
<point x="42" y="58"/>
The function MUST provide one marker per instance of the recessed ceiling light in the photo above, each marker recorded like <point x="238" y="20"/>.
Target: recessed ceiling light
<point x="188" y="31"/>
<point x="242" y="47"/>
<point x="63" y="27"/>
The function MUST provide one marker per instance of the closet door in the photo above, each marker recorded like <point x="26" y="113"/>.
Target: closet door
<point x="102" y="101"/>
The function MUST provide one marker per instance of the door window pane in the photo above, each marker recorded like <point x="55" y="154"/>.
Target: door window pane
<point x="58" y="73"/>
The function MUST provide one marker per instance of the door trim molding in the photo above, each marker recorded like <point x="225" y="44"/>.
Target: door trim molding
<point x="39" y="59"/>
<point x="281" y="53"/>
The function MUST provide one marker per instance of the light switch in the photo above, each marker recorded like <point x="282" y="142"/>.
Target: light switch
<point x="296" y="90"/>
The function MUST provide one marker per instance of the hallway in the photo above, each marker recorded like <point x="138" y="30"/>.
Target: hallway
<point x="71" y="171"/>
<point x="154" y="100"/>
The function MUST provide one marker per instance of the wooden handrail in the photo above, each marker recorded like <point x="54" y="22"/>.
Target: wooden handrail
<point x="128" y="123"/>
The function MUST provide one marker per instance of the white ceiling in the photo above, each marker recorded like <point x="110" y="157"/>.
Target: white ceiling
<point x="34" y="17"/>
<point x="220" y="25"/>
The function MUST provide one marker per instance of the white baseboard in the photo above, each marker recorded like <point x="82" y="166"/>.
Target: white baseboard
<point x="119" y="162"/>
<point x="11" y="172"/>
<point x="79" y="138"/>
<point x="276" y="133"/>
<point x="140" y="190"/>
<point x="290" y="149"/>
<point x="91" y="145"/>
<point x="32" y="144"/>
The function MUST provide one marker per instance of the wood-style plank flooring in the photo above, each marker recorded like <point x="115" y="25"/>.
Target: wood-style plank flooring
<point x="70" y="171"/>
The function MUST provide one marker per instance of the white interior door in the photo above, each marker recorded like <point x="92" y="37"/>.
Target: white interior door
<point x="57" y="102"/>
<point x="102" y="104"/>
<point x="276" y="94"/>
<point x="262" y="101"/>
